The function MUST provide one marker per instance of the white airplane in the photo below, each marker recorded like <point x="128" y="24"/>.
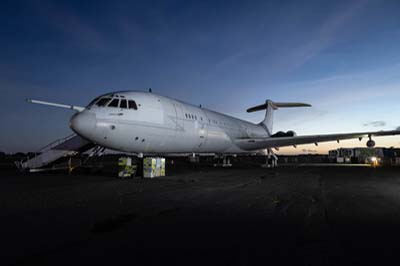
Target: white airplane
<point x="148" y="123"/>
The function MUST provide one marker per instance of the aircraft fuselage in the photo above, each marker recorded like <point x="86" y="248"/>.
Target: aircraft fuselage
<point x="162" y="125"/>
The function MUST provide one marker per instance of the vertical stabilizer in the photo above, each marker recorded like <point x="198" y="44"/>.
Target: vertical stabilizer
<point x="268" y="121"/>
<point x="270" y="107"/>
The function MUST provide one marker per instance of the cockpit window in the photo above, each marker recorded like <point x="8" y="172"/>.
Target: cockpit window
<point x="114" y="103"/>
<point x="92" y="102"/>
<point x="103" y="101"/>
<point x="123" y="104"/>
<point x="132" y="105"/>
<point x="114" y="100"/>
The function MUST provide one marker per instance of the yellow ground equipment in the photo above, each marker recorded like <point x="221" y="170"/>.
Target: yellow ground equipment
<point x="153" y="167"/>
<point x="126" y="168"/>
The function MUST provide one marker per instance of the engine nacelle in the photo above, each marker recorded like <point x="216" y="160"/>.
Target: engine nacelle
<point x="291" y="133"/>
<point x="281" y="134"/>
<point x="370" y="143"/>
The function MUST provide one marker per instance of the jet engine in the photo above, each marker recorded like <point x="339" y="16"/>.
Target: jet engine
<point x="278" y="134"/>
<point x="370" y="143"/>
<point x="291" y="133"/>
<point x="281" y="134"/>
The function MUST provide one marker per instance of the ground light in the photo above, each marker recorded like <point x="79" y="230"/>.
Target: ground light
<point x="374" y="161"/>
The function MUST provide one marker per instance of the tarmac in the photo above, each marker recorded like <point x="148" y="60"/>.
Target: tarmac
<point x="198" y="215"/>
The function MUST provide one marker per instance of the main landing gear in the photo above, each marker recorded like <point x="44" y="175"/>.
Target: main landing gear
<point x="271" y="159"/>
<point x="370" y="142"/>
<point x="222" y="160"/>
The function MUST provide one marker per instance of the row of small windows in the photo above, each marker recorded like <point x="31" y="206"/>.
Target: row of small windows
<point x="191" y="116"/>
<point x="194" y="117"/>
<point x="121" y="103"/>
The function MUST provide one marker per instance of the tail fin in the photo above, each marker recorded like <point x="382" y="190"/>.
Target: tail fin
<point x="271" y="106"/>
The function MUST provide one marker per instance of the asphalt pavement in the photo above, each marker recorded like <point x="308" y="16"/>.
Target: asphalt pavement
<point x="305" y="215"/>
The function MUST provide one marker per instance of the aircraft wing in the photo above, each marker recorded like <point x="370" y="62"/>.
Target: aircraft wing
<point x="275" y="142"/>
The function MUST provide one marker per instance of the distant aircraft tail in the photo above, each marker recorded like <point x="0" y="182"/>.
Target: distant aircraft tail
<point x="271" y="106"/>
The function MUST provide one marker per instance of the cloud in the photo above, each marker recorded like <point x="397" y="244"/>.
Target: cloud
<point x="290" y="56"/>
<point x="325" y="37"/>
<point x="375" y="124"/>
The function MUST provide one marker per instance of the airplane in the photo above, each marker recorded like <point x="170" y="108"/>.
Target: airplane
<point x="143" y="123"/>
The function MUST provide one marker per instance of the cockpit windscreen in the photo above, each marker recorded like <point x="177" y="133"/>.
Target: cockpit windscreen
<point x="103" y="101"/>
<point x="113" y="100"/>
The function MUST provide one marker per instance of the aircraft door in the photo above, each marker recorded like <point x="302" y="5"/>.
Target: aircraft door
<point x="182" y="143"/>
<point x="202" y="127"/>
<point x="179" y="118"/>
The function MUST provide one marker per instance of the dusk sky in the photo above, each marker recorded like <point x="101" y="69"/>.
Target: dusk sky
<point x="343" y="57"/>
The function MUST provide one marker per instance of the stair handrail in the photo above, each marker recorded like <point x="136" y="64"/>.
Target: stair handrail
<point x="55" y="143"/>
<point x="49" y="146"/>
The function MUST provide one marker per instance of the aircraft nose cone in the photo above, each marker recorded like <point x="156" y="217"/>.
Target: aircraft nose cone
<point x="83" y="124"/>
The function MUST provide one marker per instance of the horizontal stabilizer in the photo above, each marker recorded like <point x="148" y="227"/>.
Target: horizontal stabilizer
<point x="276" y="105"/>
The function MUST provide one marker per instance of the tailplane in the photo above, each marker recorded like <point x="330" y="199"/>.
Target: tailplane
<point x="270" y="107"/>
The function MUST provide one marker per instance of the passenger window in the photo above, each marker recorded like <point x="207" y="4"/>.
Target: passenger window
<point x="132" y="105"/>
<point x="123" y="104"/>
<point x="114" y="103"/>
<point x="103" y="101"/>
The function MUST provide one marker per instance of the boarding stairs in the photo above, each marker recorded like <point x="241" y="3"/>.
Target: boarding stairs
<point x="68" y="146"/>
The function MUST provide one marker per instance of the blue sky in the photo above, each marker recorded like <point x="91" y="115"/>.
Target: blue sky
<point x="341" y="56"/>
